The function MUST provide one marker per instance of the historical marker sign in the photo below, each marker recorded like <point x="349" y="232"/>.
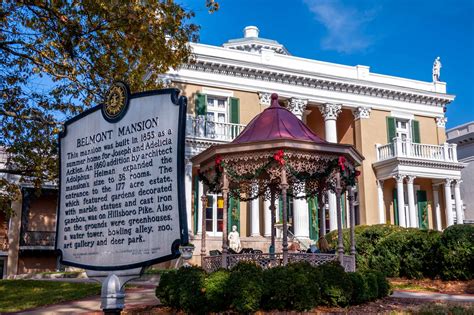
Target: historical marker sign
<point x="121" y="200"/>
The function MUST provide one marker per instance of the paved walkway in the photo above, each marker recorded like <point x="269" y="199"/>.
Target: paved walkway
<point x="145" y="296"/>
<point x="136" y="297"/>
<point x="433" y="296"/>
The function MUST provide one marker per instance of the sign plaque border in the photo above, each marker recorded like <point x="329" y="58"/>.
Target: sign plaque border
<point x="177" y="100"/>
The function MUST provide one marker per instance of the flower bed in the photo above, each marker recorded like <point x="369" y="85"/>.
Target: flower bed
<point x="247" y="288"/>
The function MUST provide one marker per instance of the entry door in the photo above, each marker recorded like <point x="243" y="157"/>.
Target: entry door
<point x="422" y="209"/>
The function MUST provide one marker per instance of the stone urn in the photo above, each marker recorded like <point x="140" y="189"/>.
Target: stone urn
<point x="186" y="252"/>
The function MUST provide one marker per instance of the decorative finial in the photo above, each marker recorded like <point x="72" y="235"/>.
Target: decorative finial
<point x="275" y="100"/>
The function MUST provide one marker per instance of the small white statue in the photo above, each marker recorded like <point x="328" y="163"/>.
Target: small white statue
<point x="436" y="69"/>
<point x="234" y="239"/>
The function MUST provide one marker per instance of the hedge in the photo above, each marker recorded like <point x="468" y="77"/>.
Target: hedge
<point x="413" y="253"/>
<point x="247" y="288"/>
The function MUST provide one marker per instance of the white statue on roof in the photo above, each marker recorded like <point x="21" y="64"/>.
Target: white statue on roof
<point x="436" y="69"/>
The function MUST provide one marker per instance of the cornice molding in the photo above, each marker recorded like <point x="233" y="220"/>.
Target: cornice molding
<point x="316" y="83"/>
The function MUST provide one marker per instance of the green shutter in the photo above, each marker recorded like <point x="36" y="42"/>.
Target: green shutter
<point x="391" y="129"/>
<point x="422" y="209"/>
<point x="395" y="206"/>
<point x="233" y="214"/>
<point x="234" y="110"/>
<point x="196" y="203"/>
<point x="415" y="126"/>
<point x="201" y="104"/>
<point x="313" y="218"/>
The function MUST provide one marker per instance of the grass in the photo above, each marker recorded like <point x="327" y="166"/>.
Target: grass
<point x="440" y="309"/>
<point x="17" y="295"/>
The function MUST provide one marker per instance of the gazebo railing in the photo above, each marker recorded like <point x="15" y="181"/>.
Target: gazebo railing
<point x="265" y="261"/>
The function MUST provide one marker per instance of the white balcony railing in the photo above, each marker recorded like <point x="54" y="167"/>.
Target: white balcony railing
<point x="405" y="148"/>
<point x="199" y="127"/>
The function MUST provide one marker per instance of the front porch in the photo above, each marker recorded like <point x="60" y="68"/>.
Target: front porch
<point x="418" y="184"/>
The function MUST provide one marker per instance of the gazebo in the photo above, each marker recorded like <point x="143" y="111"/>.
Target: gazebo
<point x="278" y="156"/>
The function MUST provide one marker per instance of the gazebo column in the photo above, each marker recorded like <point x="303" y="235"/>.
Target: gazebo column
<point x="273" y="214"/>
<point x="203" y="223"/>
<point x="284" y="189"/>
<point x="300" y="206"/>
<point x="322" y="214"/>
<point x="340" y="245"/>
<point x="352" y="219"/>
<point x="330" y="113"/>
<point x="225" y="197"/>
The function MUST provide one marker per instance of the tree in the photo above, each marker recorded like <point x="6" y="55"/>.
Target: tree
<point x="58" y="57"/>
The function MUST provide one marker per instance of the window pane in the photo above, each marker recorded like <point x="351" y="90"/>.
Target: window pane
<point x="220" y="213"/>
<point x="221" y="118"/>
<point x="210" y="102"/>
<point x="210" y="116"/>
<point x="221" y="103"/>
<point x="220" y="202"/>
<point x="208" y="213"/>
<point x="220" y="225"/>
<point x="209" y="225"/>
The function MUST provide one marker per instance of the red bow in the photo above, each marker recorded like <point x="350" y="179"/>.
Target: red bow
<point x="341" y="162"/>
<point x="279" y="157"/>
<point x="218" y="162"/>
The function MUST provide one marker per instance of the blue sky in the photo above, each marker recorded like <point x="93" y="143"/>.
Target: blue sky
<point x="399" y="38"/>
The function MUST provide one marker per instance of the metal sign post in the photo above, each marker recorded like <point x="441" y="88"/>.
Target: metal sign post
<point x="121" y="201"/>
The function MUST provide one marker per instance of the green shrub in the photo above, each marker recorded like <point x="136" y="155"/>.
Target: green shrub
<point x="167" y="290"/>
<point x="360" y="288"/>
<point x="245" y="287"/>
<point x="382" y="284"/>
<point x="216" y="286"/>
<point x="366" y="238"/>
<point x="457" y="253"/>
<point x="372" y="284"/>
<point x="183" y="289"/>
<point x="294" y="287"/>
<point x="336" y="286"/>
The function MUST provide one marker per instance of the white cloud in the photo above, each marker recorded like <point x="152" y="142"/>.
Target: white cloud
<point x="345" y="25"/>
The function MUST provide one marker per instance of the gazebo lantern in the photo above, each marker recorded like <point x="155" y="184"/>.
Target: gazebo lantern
<point x="275" y="156"/>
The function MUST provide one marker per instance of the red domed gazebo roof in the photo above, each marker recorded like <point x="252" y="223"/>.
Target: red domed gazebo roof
<point x="275" y="123"/>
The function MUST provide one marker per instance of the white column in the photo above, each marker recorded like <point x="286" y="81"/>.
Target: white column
<point x="381" y="202"/>
<point x="437" y="207"/>
<point x="255" y="217"/>
<point x="301" y="216"/>
<point x="300" y="206"/>
<point x="400" y="201"/>
<point x="267" y="217"/>
<point x="411" y="201"/>
<point x="188" y="186"/>
<point x="200" y="209"/>
<point x="448" y="203"/>
<point x="457" y="198"/>
<point x="330" y="113"/>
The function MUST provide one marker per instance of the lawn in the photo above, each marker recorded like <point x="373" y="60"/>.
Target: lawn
<point x="17" y="295"/>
